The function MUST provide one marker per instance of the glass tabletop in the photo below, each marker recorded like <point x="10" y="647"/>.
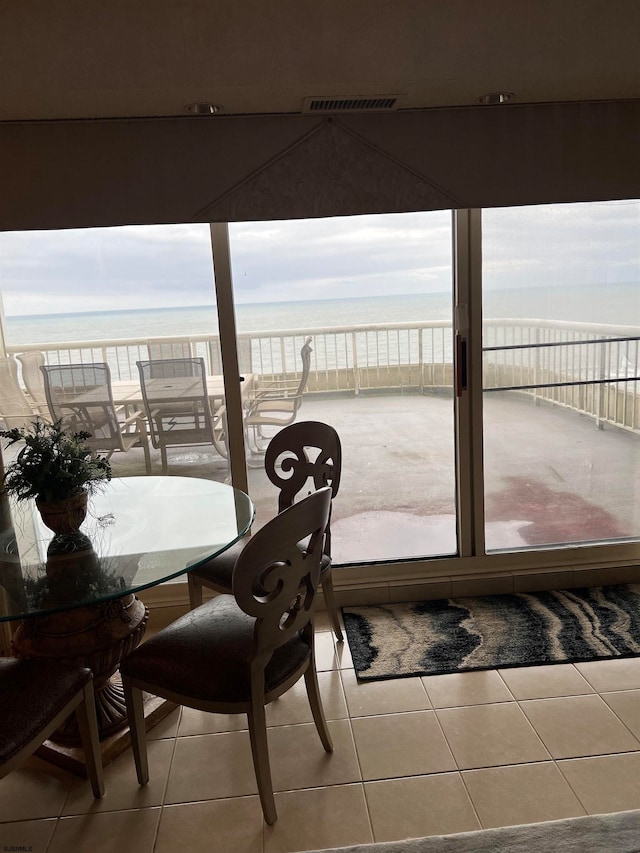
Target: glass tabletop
<point x="139" y="531"/>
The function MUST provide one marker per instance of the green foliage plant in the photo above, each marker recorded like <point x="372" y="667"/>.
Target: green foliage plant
<point x="53" y="465"/>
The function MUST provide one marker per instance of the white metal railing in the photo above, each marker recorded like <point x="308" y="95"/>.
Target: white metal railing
<point x="589" y="368"/>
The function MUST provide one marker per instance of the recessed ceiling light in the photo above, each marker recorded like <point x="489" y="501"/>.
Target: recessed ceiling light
<point x="203" y="109"/>
<point x="495" y="98"/>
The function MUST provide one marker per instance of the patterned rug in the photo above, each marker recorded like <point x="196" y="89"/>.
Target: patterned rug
<point x="525" y="629"/>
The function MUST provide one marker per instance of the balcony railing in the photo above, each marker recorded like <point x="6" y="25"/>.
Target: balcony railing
<point x="589" y="368"/>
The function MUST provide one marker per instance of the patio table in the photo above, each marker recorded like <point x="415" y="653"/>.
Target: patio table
<point x="127" y="392"/>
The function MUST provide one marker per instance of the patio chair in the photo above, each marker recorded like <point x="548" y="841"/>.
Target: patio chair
<point x="237" y="653"/>
<point x="159" y="348"/>
<point x="276" y="403"/>
<point x="305" y="451"/>
<point x="31" y="363"/>
<point x="15" y="408"/>
<point x="37" y="696"/>
<point x="176" y="401"/>
<point x="80" y="395"/>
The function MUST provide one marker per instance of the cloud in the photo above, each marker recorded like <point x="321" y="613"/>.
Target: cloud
<point x="167" y="265"/>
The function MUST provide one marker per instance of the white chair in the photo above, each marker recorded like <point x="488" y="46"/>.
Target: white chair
<point x="276" y="404"/>
<point x="33" y="380"/>
<point x="31" y="362"/>
<point x="160" y="348"/>
<point x="237" y="653"/>
<point x="15" y="408"/>
<point x="80" y="395"/>
<point x="301" y="456"/>
<point x="176" y="401"/>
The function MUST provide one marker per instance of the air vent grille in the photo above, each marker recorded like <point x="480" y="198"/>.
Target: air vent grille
<point x="356" y="104"/>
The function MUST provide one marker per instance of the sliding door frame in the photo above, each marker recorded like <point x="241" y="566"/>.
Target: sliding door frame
<point x="229" y="349"/>
<point x="500" y="571"/>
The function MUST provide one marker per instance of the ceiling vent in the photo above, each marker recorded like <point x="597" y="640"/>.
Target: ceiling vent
<point x="359" y="104"/>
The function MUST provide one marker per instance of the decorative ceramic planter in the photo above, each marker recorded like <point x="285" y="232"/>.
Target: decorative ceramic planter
<point x="65" y="516"/>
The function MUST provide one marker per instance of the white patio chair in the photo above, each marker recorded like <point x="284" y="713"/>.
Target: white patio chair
<point x="159" y="348"/>
<point x="81" y="396"/>
<point x="15" y="408"/>
<point x="276" y="404"/>
<point x="176" y="401"/>
<point x="33" y="380"/>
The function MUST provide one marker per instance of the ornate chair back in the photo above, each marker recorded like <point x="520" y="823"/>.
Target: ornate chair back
<point x="275" y="580"/>
<point x="303" y="455"/>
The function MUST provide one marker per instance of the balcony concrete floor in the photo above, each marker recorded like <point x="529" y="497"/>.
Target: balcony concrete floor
<point x="551" y="476"/>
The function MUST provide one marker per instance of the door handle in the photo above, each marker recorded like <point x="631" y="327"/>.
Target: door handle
<point x="461" y="365"/>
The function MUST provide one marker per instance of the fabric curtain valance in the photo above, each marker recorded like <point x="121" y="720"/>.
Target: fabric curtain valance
<point x="118" y="172"/>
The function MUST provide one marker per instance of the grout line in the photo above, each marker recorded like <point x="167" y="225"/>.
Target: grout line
<point x="616" y="715"/>
<point x="368" y="808"/>
<point x="468" y="793"/>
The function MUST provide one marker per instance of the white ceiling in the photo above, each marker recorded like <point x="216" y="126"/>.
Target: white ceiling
<point x="76" y="59"/>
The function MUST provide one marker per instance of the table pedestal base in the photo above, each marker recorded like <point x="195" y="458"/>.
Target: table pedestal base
<point x="98" y="637"/>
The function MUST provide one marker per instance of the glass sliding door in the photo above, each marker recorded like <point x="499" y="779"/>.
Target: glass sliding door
<point x="561" y="374"/>
<point x="372" y="295"/>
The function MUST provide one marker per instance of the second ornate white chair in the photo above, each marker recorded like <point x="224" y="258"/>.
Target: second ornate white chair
<point x="304" y="455"/>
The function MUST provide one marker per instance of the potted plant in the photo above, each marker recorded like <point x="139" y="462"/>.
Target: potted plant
<point x="58" y="469"/>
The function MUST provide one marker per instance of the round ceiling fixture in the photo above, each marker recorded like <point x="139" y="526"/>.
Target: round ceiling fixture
<point x="495" y="98"/>
<point x="203" y="109"/>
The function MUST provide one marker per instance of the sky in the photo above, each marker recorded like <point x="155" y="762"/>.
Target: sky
<point x="43" y="272"/>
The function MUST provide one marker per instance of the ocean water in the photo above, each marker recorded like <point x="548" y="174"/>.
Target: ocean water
<point x="617" y="304"/>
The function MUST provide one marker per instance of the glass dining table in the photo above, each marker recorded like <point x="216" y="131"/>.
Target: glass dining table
<point x="75" y="596"/>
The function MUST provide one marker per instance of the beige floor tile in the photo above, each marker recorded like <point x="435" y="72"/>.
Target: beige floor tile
<point x="626" y="706"/>
<point x="343" y="654"/>
<point x="318" y="818"/>
<point x="31" y="835"/>
<point x="325" y="651"/>
<point x="293" y="708"/>
<point x="117" y="832"/>
<point x="578" y="725"/>
<point x="166" y="728"/>
<point x="211" y="767"/>
<point x="122" y="790"/>
<point x="545" y="682"/>
<point x="383" y="697"/>
<point x="610" y="675"/>
<point x="401" y="745"/>
<point x="218" y="826"/>
<point x="298" y="759"/>
<point x="610" y="783"/>
<point x="490" y="735"/>
<point x="290" y="709"/>
<point x="521" y="793"/>
<point x="466" y="688"/>
<point x="419" y="806"/>
<point x="201" y="723"/>
<point x="33" y="791"/>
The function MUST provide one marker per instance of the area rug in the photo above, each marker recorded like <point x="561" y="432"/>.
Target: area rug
<point x="610" y="833"/>
<point x="524" y="629"/>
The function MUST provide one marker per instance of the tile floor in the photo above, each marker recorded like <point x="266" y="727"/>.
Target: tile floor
<point x="416" y="756"/>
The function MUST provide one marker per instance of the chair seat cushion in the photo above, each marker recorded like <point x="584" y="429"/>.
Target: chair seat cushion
<point x="33" y="692"/>
<point x="205" y="655"/>
<point x="218" y="570"/>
